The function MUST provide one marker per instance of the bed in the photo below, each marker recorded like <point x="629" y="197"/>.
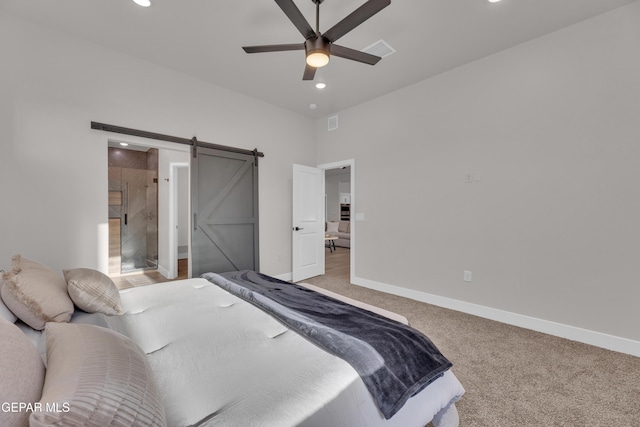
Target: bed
<point x="207" y="357"/>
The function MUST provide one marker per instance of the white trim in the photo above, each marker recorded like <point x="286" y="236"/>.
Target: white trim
<point x="287" y="277"/>
<point x="352" y="232"/>
<point x="598" y="339"/>
<point x="163" y="271"/>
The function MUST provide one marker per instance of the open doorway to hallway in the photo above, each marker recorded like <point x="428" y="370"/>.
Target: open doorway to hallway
<point x="338" y="194"/>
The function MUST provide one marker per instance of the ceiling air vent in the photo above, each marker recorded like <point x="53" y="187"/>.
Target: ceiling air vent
<point x="380" y="48"/>
<point x="333" y="122"/>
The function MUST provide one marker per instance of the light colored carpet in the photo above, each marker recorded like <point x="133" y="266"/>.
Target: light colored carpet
<point x="516" y="377"/>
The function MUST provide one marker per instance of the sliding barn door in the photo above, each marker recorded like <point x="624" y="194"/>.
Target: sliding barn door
<point x="225" y="212"/>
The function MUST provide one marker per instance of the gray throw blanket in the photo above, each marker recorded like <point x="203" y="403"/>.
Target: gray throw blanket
<point x="394" y="360"/>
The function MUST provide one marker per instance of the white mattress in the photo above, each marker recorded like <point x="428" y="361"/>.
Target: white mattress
<point x="220" y="361"/>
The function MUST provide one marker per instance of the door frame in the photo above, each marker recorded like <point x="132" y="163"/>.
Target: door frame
<point x="352" y="251"/>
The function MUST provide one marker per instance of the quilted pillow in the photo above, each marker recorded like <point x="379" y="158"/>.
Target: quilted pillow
<point x="35" y="293"/>
<point x="93" y="291"/>
<point x="96" y="377"/>
<point x="22" y="373"/>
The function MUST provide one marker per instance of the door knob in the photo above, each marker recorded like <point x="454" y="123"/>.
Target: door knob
<point x="297" y="228"/>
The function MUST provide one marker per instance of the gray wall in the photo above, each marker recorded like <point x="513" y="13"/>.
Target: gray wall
<point x="53" y="167"/>
<point x="551" y="129"/>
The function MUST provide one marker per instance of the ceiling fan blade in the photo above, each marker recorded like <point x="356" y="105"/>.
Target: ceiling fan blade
<point x="356" y="18"/>
<point x="355" y="55"/>
<point x="309" y="72"/>
<point x="295" y="16"/>
<point x="273" y="48"/>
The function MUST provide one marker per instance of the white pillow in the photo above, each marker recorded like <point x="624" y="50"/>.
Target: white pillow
<point x="5" y="313"/>
<point x="332" y="226"/>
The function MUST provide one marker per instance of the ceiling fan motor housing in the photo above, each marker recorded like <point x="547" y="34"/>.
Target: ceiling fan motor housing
<point x="317" y="45"/>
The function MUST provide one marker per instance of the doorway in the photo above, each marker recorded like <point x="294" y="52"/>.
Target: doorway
<point x="178" y="221"/>
<point x="227" y="209"/>
<point x="307" y="205"/>
<point x="338" y="220"/>
<point x="133" y="209"/>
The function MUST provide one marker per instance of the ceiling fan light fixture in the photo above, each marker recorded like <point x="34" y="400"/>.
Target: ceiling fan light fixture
<point x="317" y="59"/>
<point x="317" y="52"/>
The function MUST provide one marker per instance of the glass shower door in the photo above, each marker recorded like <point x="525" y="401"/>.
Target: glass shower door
<point x="139" y="220"/>
<point x="133" y="215"/>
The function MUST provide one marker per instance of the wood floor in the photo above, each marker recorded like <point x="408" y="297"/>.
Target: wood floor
<point x="131" y="280"/>
<point x="337" y="265"/>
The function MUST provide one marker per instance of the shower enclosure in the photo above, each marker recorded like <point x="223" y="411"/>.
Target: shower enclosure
<point x="133" y="210"/>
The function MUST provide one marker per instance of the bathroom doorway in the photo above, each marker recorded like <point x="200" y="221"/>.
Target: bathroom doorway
<point x="133" y="209"/>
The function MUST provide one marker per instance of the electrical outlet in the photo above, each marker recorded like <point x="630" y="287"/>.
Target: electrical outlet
<point x="467" y="276"/>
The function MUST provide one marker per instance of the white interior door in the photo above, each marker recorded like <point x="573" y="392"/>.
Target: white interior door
<point x="308" y="222"/>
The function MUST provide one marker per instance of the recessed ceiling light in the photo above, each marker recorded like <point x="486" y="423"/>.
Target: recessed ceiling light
<point x="494" y="1"/>
<point x="124" y="144"/>
<point x="143" y="3"/>
<point x="321" y="85"/>
<point x="313" y="106"/>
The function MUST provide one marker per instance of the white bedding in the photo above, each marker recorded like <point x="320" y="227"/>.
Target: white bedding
<point x="220" y="361"/>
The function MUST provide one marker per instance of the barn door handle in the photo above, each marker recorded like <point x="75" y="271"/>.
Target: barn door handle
<point x="297" y="228"/>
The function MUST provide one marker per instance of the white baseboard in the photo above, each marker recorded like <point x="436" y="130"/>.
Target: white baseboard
<point x="598" y="339"/>
<point x="164" y="272"/>
<point x="286" y="277"/>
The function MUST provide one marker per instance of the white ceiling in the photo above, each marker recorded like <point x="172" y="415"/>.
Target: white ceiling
<point x="203" y="38"/>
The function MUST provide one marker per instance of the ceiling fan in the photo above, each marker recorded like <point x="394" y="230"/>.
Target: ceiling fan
<point x="320" y="46"/>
